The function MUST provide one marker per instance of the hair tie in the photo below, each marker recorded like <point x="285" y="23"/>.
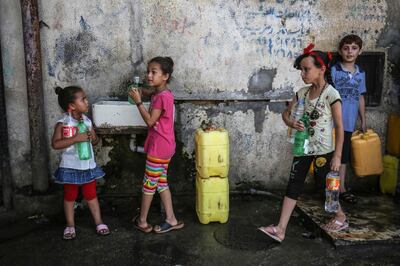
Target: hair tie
<point x="308" y="49"/>
<point x="330" y="56"/>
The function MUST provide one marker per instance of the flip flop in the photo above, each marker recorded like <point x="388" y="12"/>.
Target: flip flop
<point x="69" y="233"/>
<point x="166" y="227"/>
<point x="339" y="226"/>
<point x="273" y="235"/>
<point x="146" y="229"/>
<point x="102" y="230"/>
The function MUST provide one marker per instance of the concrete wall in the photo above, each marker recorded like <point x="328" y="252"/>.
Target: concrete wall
<point x="12" y="50"/>
<point x="239" y="53"/>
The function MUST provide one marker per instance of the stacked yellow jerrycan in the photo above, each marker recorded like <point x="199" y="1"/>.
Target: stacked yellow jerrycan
<point x="391" y="173"/>
<point x="366" y="153"/>
<point x="393" y="135"/>
<point x="212" y="165"/>
<point x="388" y="180"/>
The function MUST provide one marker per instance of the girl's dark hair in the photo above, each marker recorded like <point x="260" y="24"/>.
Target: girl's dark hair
<point x="66" y="95"/>
<point x="320" y="59"/>
<point x="166" y="64"/>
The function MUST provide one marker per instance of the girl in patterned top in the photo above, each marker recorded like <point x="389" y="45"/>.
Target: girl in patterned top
<point x="323" y="106"/>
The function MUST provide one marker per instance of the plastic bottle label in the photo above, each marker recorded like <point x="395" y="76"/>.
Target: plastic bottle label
<point x="68" y="131"/>
<point x="332" y="183"/>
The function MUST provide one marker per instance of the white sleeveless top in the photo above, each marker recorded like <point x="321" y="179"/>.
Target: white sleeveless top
<point x="69" y="157"/>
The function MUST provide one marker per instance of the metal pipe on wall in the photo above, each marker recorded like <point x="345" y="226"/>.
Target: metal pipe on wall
<point x="39" y="156"/>
<point x="5" y="170"/>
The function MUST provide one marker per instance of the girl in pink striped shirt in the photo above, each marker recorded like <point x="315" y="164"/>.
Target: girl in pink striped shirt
<point x="159" y="145"/>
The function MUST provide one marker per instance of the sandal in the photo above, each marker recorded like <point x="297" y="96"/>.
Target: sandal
<point x="166" y="227"/>
<point x="69" y="233"/>
<point x="271" y="232"/>
<point x="102" y="230"/>
<point x="348" y="197"/>
<point x="335" y="225"/>
<point x="146" y="229"/>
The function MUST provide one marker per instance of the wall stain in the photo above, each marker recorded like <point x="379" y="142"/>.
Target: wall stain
<point x="261" y="81"/>
<point x="79" y="55"/>
<point x="390" y="37"/>
<point x="258" y="108"/>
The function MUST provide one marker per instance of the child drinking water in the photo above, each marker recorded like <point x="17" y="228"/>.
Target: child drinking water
<point x="73" y="172"/>
<point x="323" y="106"/>
<point x="159" y="144"/>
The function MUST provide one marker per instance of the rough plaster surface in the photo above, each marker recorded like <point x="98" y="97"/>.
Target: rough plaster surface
<point x="390" y="39"/>
<point x="15" y="91"/>
<point x="262" y="156"/>
<point x="239" y="50"/>
<point x="219" y="45"/>
<point x="86" y="44"/>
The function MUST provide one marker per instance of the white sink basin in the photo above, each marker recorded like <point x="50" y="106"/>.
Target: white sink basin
<point x="117" y="114"/>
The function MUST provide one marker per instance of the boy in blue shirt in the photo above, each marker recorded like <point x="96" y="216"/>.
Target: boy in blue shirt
<point x="349" y="80"/>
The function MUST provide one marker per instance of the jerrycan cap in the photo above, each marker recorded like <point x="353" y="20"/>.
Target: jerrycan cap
<point x="208" y="126"/>
<point x="362" y="135"/>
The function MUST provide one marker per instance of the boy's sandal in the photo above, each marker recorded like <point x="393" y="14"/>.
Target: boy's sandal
<point x="102" y="230"/>
<point x="166" y="227"/>
<point x="69" y="233"/>
<point x="146" y="229"/>
<point x="271" y="232"/>
<point x="348" y="197"/>
<point x="337" y="225"/>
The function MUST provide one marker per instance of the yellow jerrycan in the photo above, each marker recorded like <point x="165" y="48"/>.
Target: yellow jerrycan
<point x="393" y="135"/>
<point x="212" y="152"/>
<point x="366" y="156"/>
<point x="388" y="180"/>
<point x="212" y="199"/>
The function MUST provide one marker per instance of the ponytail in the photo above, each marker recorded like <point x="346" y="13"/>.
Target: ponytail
<point x="66" y="95"/>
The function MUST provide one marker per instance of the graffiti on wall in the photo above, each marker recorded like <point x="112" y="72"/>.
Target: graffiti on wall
<point x="276" y="29"/>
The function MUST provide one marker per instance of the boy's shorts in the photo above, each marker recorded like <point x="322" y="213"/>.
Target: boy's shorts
<point x="346" y="150"/>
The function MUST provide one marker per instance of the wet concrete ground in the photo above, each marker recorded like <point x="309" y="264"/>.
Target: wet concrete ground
<point x="37" y="241"/>
<point x="374" y="219"/>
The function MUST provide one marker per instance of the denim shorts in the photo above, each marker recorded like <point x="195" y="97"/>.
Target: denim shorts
<point x="79" y="177"/>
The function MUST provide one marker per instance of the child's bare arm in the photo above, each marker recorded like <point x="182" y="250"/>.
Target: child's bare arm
<point x="298" y="125"/>
<point x="93" y="137"/>
<point x="58" y="142"/>
<point x="286" y="113"/>
<point x="150" y="118"/>
<point x="361" y="113"/>
<point x="339" y="134"/>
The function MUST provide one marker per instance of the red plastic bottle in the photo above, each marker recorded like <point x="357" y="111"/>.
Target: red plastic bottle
<point x="69" y="126"/>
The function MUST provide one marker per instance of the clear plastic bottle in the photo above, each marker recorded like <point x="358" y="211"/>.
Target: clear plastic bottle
<point x="300" y="146"/>
<point x="332" y="192"/>
<point x="135" y="84"/>
<point x="84" y="147"/>
<point x="296" y="115"/>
